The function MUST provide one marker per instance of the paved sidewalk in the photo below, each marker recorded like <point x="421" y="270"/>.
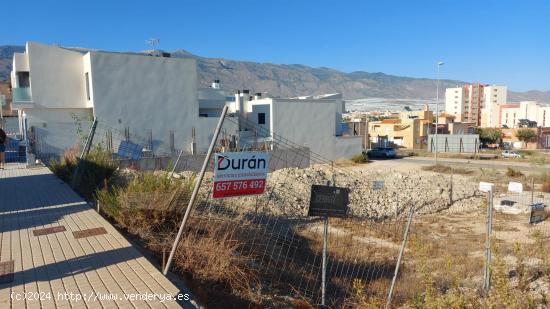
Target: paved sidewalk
<point x="41" y="267"/>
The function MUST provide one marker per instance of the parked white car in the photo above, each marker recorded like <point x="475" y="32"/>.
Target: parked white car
<point x="510" y="154"/>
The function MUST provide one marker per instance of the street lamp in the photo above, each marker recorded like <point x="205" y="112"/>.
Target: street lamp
<point x="439" y="63"/>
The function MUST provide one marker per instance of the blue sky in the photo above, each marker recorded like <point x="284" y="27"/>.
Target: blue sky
<point x="502" y="42"/>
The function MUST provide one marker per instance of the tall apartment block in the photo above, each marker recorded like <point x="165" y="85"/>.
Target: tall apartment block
<point x="476" y="103"/>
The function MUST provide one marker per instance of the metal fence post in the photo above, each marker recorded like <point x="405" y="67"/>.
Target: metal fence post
<point x="487" y="269"/>
<point x="401" y="252"/>
<point x="195" y="190"/>
<point x="176" y="163"/>
<point x="532" y="190"/>
<point x="324" y="266"/>
<point x="85" y="152"/>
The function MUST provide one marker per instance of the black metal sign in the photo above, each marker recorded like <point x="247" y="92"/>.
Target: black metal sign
<point x="537" y="213"/>
<point x="327" y="201"/>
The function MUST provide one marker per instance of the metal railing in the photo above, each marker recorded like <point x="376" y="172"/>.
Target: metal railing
<point x="21" y="95"/>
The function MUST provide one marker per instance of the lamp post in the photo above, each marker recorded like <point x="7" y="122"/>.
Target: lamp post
<point x="440" y="63"/>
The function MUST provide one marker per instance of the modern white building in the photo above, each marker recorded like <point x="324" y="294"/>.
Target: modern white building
<point x="147" y="95"/>
<point x="511" y="114"/>
<point x="312" y="121"/>
<point x="494" y="98"/>
<point x="158" y="96"/>
<point x="476" y="103"/>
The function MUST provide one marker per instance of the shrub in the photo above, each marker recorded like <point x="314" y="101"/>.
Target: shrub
<point x="359" y="158"/>
<point x="538" y="160"/>
<point x="93" y="171"/>
<point x="513" y="173"/>
<point x="444" y="169"/>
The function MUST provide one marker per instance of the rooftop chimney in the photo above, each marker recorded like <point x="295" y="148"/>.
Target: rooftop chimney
<point x="216" y="84"/>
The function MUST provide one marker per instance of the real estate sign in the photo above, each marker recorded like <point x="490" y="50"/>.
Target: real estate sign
<point x="328" y="201"/>
<point x="240" y="173"/>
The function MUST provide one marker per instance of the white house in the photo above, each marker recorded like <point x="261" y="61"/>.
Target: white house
<point x="148" y="95"/>
<point x="156" y="95"/>
<point x="312" y="121"/>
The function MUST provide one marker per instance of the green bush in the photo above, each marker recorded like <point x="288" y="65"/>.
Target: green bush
<point x="142" y="196"/>
<point x="94" y="170"/>
<point x="359" y="158"/>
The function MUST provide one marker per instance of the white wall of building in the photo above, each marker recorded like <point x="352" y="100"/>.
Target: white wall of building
<point x="147" y="93"/>
<point x="529" y="110"/>
<point x="509" y="116"/>
<point x="56" y="77"/>
<point x="494" y="97"/>
<point x="312" y="124"/>
<point x="454" y="102"/>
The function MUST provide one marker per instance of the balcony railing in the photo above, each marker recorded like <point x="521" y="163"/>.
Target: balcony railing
<point x="21" y="95"/>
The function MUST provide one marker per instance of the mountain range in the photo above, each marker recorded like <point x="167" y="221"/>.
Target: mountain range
<point x="290" y="80"/>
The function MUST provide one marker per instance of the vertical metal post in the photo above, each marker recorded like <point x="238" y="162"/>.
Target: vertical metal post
<point x="85" y="152"/>
<point x="401" y="252"/>
<point x="325" y="249"/>
<point x="487" y="270"/>
<point x="532" y="190"/>
<point x="324" y="266"/>
<point x="2" y="102"/>
<point x="176" y="164"/>
<point x="195" y="190"/>
<point x="436" y="114"/>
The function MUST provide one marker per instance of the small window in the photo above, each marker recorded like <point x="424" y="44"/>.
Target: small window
<point x="87" y="76"/>
<point x="261" y="118"/>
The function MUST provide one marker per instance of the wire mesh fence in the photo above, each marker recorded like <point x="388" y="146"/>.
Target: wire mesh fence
<point x="267" y="244"/>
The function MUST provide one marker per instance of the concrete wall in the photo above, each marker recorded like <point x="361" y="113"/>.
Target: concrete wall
<point x="454" y="143"/>
<point x="56" y="77"/>
<point x="312" y="124"/>
<point x="20" y="62"/>
<point x="261" y="108"/>
<point x="454" y="102"/>
<point x="494" y="97"/>
<point x="148" y="93"/>
<point x="55" y="129"/>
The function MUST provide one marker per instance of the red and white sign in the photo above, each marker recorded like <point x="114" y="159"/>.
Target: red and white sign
<point x="240" y="173"/>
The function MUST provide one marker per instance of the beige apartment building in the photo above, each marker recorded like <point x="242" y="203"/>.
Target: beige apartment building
<point x="476" y="103"/>
<point x="410" y="130"/>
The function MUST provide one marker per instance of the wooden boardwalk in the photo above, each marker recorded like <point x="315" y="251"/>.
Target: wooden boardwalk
<point x="56" y="268"/>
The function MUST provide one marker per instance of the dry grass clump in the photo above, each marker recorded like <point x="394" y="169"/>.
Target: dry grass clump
<point x="213" y="255"/>
<point x="93" y="171"/>
<point x="444" y="169"/>
<point x="359" y="158"/>
<point x="514" y="173"/>
<point x="208" y="253"/>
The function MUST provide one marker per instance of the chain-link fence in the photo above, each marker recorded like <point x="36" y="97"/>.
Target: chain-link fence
<point x="266" y="245"/>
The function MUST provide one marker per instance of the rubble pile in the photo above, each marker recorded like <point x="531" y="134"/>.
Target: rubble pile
<point x="288" y="192"/>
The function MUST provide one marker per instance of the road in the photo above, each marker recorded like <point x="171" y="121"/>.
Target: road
<point x="526" y="166"/>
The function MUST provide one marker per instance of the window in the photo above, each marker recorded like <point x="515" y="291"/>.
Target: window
<point x="24" y="79"/>
<point x="87" y="76"/>
<point x="261" y="118"/>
